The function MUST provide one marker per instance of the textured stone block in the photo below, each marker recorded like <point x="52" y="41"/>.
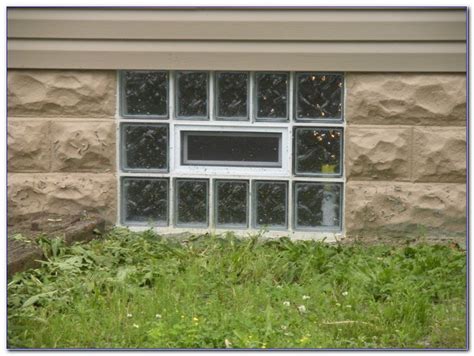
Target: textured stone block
<point x="439" y="154"/>
<point x="29" y="146"/>
<point x="83" y="146"/>
<point x="388" y="209"/>
<point x="378" y="153"/>
<point x="61" y="93"/>
<point x="411" y="99"/>
<point x="62" y="194"/>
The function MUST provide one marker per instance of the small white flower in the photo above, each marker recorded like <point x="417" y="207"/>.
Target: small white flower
<point x="338" y="304"/>
<point x="345" y="293"/>
<point x="305" y="297"/>
<point x="286" y="304"/>
<point x="136" y="326"/>
<point x="158" y="316"/>
<point x="284" y="327"/>
<point x="348" y="306"/>
<point x="301" y="308"/>
<point x="129" y="315"/>
<point x="227" y="343"/>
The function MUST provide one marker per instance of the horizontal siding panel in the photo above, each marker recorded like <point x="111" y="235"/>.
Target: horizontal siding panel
<point x="243" y="55"/>
<point x="290" y="25"/>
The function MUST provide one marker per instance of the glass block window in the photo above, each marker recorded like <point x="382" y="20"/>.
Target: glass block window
<point x="145" y="147"/>
<point x="145" y="200"/>
<point x="192" y="206"/>
<point x="271" y="204"/>
<point x="205" y="151"/>
<point x="317" y="205"/>
<point x="232" y="95"/>
<point x="145" y="94"/>
<point x="192" y="95"/>
<point x="318" y="96"/>
<point x="272" y="96"/>
<point x="231" y="203"/>
<point x="317" y="151"/>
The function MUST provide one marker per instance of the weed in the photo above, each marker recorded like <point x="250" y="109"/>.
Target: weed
<point x="140" y="290"/>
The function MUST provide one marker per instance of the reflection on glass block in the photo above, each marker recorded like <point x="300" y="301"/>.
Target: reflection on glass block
<point x="232" y="95"/>
<point x="146" y="200"/>
<point x="232" y="203"/>
<point x="272" y="95"/>
<point x="192" y="202"/>
<point x="145" y="93"/>
<point x="271" y="204"/>
<point x="317" y="204"/>
<point x="319" y="96"/>
<point x="192" y="94"/>
<point x="318" y="151"/>
<point x="145" y="146"/>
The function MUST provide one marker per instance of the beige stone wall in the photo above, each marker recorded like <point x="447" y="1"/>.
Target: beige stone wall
<point x="61" y="142"/>
<point x="405" y="152"/>
<point x="405" y="149"/>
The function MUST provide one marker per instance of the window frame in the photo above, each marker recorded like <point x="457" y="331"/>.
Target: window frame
<point x="230" y="170"/>
<point x="185" y="161"/>
<point x="252" y="175"/>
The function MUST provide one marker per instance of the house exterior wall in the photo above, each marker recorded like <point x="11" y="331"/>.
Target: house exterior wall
<point x="406" y="154"/>
<point x="405" y="104"/>
<point x="324" y="39"/>
<point x="405" y="149"/>
<point x="61" y="142"/>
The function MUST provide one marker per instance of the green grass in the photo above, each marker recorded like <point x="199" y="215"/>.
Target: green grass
<point x="137" y="290"/>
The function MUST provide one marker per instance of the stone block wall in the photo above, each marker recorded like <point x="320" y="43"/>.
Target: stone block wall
<point x="405" y="155"/>
<point x="61" y="142"/>
<point x="405" y="149"/>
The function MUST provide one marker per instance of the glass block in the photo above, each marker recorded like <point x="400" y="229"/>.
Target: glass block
<point x="318" y="205"/>
<point x="318" y="96"/>
<point x="145" y="93"/>
<point x="145" y="200"/>
<point x="271" y="204"/>
<point x="192" y="202"/>
<point x="192" y="95"/>
<point x="216" y="148"/>
<point x="232" y="95"/>
<point x="231" y="203"/>
<point x="272" y="96"/>
<point x="145" y="146"/>
<point x="318" y="151"/>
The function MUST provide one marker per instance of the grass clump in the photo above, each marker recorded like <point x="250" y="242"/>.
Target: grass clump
<point x="138" y="290"/>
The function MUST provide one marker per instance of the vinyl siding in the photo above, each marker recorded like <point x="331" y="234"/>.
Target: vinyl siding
<point x="396" y="40"/>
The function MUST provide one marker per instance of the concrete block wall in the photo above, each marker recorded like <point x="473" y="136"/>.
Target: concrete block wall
<point x="61" y="142"/>
<point x="405" y="149"/>
<point x="405" y="154"/>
